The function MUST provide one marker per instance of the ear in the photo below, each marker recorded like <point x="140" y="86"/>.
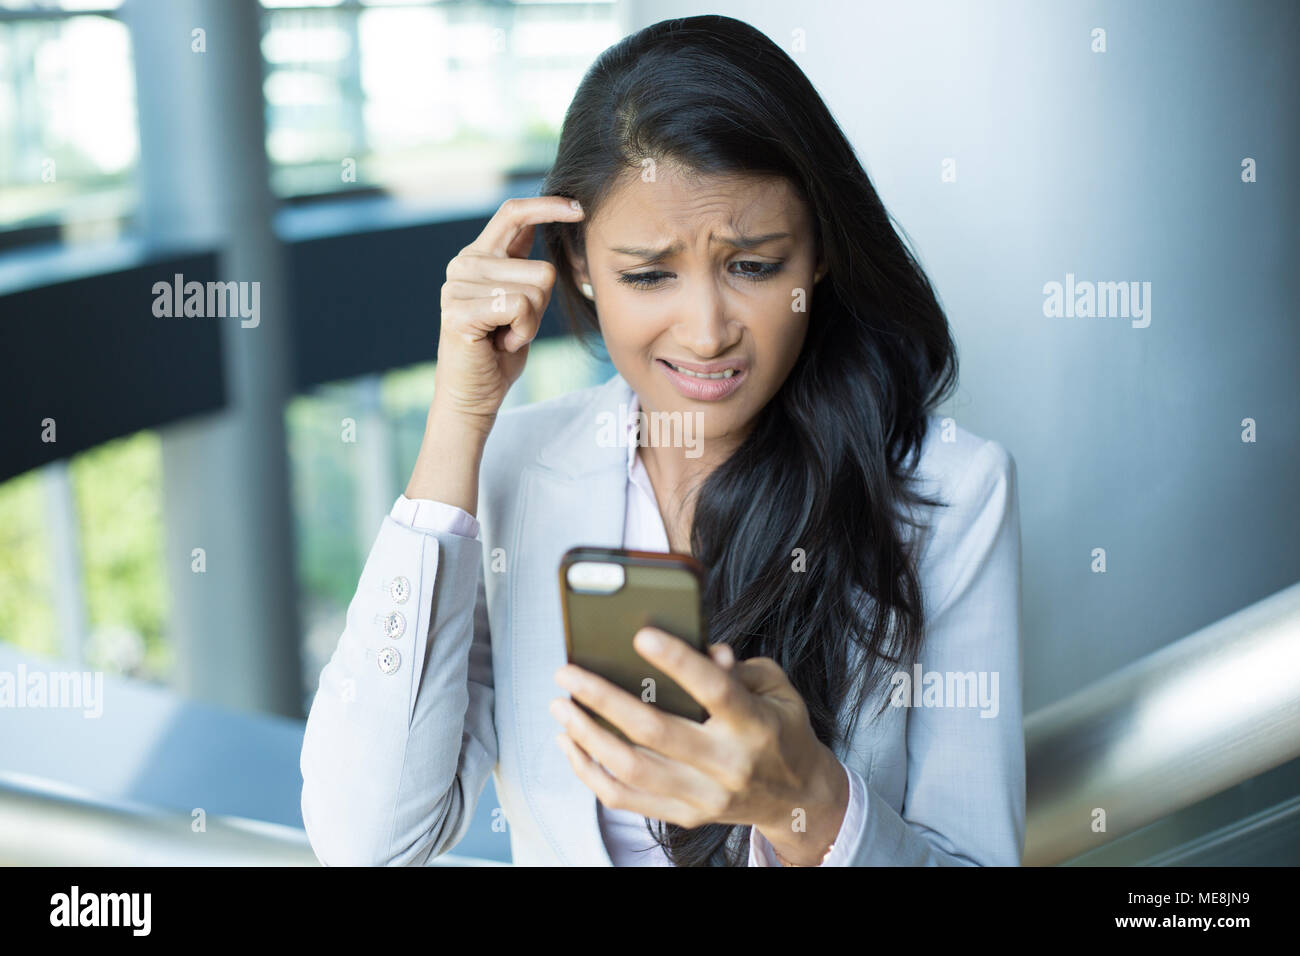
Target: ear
<point x="821" y="270"/>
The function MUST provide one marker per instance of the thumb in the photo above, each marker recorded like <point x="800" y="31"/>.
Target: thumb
<point x="764" y="676"/>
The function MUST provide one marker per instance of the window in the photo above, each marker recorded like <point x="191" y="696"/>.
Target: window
<point x="68" y="132"/>
<point x="420" y="100"/>
<point x="81" y="560"/>
<point x="435" y="100"/>
<point x="423" y="101"/>
<point x="352" y="446"/>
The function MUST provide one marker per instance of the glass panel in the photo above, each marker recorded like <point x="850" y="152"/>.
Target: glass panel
<point x="326" y="475"/>
<point x="59" y="5"/>
<point x="68" y="136"/>
<point x="27" y="618"/>
<point x="423" y="101"/>
<point x="117" y="489"/>
<point x="324" y="487"/>
<point x="119" y="502"/>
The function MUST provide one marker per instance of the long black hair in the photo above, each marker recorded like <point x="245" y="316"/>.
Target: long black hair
<point x="828" y="456"/>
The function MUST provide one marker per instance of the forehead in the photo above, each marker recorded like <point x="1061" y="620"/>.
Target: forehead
<point x="680" y="202"/>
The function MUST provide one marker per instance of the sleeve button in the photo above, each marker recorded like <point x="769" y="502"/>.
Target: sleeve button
<point x="394" y="625"/>
<point x="389" y="660"/>
<point x="400" y="589"/>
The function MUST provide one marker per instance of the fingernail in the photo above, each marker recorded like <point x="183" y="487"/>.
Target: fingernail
<point x="650" y="640"/>
<point x="575" y="205"/>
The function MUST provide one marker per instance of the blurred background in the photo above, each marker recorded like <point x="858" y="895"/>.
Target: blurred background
<point x="186" y="502"/>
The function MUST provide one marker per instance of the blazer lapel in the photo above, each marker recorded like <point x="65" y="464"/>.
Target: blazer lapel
<point x="575" y="493"/>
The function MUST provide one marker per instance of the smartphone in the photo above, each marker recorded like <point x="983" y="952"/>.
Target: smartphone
<point x="608" y="594"/>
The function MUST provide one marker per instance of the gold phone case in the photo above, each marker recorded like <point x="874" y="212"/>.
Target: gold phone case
<point x="658" y="589"/>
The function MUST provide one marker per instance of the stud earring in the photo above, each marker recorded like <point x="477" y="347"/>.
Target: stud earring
<point x="588" y="291"/>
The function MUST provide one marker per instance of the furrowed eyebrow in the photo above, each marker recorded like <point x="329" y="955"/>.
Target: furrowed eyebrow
<point x="738" y="242"/>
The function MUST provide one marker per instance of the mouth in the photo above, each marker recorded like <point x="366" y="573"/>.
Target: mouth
<point x="707" y="383"/>
<point x="714" y="370"/>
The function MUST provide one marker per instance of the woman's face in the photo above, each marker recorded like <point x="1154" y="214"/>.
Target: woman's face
<point x="707" y="274"/>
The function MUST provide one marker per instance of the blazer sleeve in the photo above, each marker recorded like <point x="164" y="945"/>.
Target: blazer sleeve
<point x="964" y="803"/>
<point x="395" y="757"/>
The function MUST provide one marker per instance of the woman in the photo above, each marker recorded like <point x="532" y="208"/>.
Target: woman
<point x="708" y="218"/>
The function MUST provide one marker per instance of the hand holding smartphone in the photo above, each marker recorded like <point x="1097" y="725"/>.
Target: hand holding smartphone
<point x="607" y="595"/>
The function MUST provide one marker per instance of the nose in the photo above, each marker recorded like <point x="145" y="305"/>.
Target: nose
<point x="703" y="326"/>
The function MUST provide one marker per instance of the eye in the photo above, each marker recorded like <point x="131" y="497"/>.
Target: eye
<point x="642" y="279"/>
<point x="760" y="270"/>
<point x="749" y="269"/>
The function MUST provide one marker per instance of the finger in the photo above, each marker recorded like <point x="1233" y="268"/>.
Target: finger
<point x="514" y="220"/>
<point x="637" y="766"/>
<point x="522" y="244"/>
<point x="711" y="685"/>
<point x="482" y="268"/>
<point x="509" y="317"/>
<point x="466" y="289"/>
<point x="764" y="677"/>
<point x="615" y="794"/>
<point x="676" y="738"/>
<point x="722" y="655"/>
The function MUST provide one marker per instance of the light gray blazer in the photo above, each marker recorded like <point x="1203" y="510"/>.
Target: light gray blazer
<point x="398" y="747"/>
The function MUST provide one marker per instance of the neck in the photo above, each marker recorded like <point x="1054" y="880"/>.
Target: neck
<point x="677" y="477"/>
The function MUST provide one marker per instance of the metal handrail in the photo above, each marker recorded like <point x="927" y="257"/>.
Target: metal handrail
<point x="1183" y="723"/>
<point x="47" y="824"/>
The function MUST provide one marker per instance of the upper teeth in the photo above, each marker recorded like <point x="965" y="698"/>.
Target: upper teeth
<point x="727" y="373"/>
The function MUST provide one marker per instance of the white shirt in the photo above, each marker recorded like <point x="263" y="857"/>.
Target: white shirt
<point x="625" y="835"/>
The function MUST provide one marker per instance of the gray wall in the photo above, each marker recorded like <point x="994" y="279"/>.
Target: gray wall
<point x="1122" y="166"/>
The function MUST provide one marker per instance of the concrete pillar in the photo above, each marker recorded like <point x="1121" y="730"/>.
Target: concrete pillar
<point x="204" y="181"/>
<point x="70" y="610"/>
